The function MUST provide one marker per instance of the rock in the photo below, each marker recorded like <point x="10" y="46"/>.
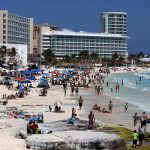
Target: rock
<point x="22" y="135"/>
<point x="76" y="140"/>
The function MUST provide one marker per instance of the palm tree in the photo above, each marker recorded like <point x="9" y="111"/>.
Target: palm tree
<point x="115" y="56"/>
<point x="83" y="55"/>
<point x="49" y="56"/>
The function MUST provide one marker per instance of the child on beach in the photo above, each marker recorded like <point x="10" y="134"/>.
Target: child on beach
<point x="135" y="138"/>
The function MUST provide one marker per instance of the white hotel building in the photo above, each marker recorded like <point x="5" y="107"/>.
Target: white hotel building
<point x="105" y="44"/>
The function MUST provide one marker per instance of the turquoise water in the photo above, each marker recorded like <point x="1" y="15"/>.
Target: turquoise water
<point x="137" y="94"/>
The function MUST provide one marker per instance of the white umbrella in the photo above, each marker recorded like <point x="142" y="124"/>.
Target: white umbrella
<point x="58" y="103"/>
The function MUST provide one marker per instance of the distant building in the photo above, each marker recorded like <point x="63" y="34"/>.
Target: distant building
<point x="21" y="53"/>
<point x="16" y="29"/>
<point x="114" y="23"/>
<point x="37" y="32"/>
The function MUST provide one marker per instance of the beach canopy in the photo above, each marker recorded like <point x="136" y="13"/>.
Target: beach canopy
<point x="31" y="78"/>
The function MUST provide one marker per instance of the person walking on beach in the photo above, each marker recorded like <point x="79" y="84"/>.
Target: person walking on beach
<point x="98" y="90"/>
<point x="110" y="106"/>
<point x="91" y="120"/>
<point x="80" y="100"/>
<point x="141" y="132"/>
<point x="135" y="117"/>
<point x="126" y="107"/>
<point x="77" y="90"/>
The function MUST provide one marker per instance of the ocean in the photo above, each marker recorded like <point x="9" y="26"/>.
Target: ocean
<point x="133" y="90"/>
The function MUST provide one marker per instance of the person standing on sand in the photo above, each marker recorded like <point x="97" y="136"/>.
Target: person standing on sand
<point x="141" y="132"/>
<point x="91" y="120"/>
<point x="110" y="106"/>
<point x="73" y="113"/>
<point x="144" y="120"/>
<point x="80" y="100"/>
<point x="135" y="117"/>
<point x="29" y="128"/>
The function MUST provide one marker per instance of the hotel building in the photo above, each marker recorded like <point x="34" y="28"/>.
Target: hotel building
<point x="114" y="23"/>
<point x="113" y="38"/>
<point x="16" y="29"/>
<point x="38" y="30"/>
<point x="68" y="42"/>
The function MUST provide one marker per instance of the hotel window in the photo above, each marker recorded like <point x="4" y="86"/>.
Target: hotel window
<point x="4" y="26"/>
<point x="4" y="37"/>
<point x="4" y="15"/>
<point x="4" y="31"/>
<point x="4" y="20"/>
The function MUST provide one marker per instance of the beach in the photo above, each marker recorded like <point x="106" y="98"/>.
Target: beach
<point x="33" y="103"/>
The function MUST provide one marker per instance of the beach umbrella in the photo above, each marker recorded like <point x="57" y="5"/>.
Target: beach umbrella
<point x="20" y="79"/>
<point x="7" y="78"/>
<point x="58" y="103"/>
<point x="31" y="78"/>
<point x="35" y="71"/>
<point x="21" y="87"/>
<point x="26" y="72"/>
<point x="25" y="81"/>
<point x="47" y="74"/>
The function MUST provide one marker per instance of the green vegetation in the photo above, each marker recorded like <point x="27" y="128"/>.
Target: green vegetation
<point x="126" y="134"/>
<point x="144" y="147"/>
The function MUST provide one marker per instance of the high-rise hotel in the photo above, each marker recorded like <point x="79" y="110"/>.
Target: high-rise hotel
<point x="113" y="38"/>
<point x="16" y="29"/>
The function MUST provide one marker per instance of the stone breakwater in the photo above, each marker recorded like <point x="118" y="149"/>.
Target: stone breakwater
<point x="60" y="135"/>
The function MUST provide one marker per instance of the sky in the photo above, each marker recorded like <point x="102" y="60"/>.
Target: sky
<point x="84" y="15"/>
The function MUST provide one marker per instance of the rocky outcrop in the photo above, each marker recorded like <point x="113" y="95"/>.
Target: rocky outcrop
<point x="75" y="140"/>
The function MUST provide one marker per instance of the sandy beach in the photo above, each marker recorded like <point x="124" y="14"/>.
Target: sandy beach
<point x="33" y="103"/>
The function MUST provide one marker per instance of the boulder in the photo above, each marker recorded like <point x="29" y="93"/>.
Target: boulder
<point x="76" y="140"/>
